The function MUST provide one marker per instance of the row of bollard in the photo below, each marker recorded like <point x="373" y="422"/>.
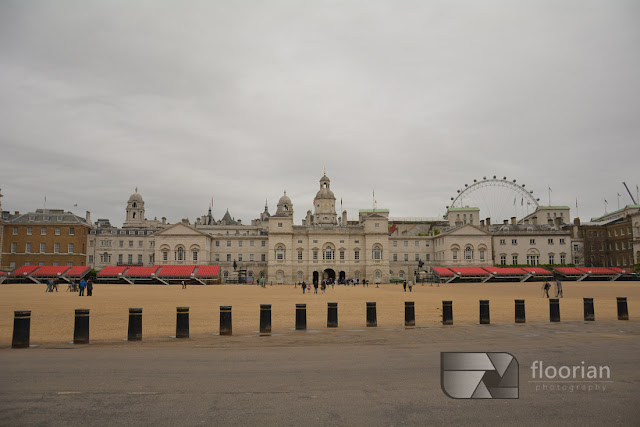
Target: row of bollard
<point x="22" y="319"/>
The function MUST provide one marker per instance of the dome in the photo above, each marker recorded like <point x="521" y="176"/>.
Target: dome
<point x="285" y="200"/>
<point x="325" y="178"/>
<point x="135" y="197"/>
<point x="325" y="193"/>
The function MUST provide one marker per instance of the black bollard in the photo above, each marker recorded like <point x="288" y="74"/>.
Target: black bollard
<point x="447" y="312"/>
<point x="520" y="315"/>
<point x="21" y="329"/>
<point x="225" y="320"/>
<point x="372" y="319"/>
<point x="589" y="313"/>
<point x="81" y="326"/>
<point x="265" y="318"/>
<point x="301" y="317"/>
<point x="409" y="314"/>
<point x="182" y="322"/>
<point x="332" y="315"/>
<point x="135" y="324"/>
<point x="623" y="310"/>
<point x="484" y="312"/>
<point x="554" y="310"/>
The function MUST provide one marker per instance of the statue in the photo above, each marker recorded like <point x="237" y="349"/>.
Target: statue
<point x="235" y="265"/>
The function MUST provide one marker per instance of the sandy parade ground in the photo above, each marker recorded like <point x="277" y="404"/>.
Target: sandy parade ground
<point x="53" y="313"/>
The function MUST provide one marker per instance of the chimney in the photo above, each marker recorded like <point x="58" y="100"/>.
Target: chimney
<point x="513" y="220"/>
<point x="505" y="222"/>
<point x="239" y="222"/>
<point x="482" y="223"/>
<point x="576" y="221"/>
<point x="558" y="222"/>
<point x="550" y="221"/>
<point x="164" y="220"/>
<point x="488" y="222"/>
<point x="17" y="213"/>
<point x="344" y="217"/>
<point x="88" y="217"/>
<point x="535" y="220"/>
<point x="526" y="222"/>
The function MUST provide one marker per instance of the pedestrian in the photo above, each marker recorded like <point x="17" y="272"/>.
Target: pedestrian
<point x="55" y="285"/>
<point x="323" y="286"/>
<point x="89" y="287"/>
<point x="83" y="285"/>
<point x="315" y="287"/>
<point x="410" y="285"/>
<point x="184" y="286"/>
<point x="304" y="287"/>
<point x="404" y="285"/>
<point x="558" y="288"/>
<point x="49" y="286"/>
<point x="547" y="286"/>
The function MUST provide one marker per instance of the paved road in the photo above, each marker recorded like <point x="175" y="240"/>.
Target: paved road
<point x="361" y="377"/>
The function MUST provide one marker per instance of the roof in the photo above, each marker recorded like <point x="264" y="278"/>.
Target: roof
<point x="542" y="208"/>
<point x="49" y="216"/>
<point x="463" y="209"/>
<point x="373" y="210"/>
<point x="616" y="212"/>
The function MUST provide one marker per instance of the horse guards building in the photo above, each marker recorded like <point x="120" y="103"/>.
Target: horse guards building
<point x="375" y="247"/>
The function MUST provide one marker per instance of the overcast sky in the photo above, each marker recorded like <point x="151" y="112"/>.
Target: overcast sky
<point x="239" y="101"/>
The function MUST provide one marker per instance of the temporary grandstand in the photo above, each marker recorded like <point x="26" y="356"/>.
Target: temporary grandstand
<point x="593" y="273"/>
<point x="490" y="274"/>
<point x="3" y="276"/>
<point x="165" y="274"/>
<point x="37" y="274"/>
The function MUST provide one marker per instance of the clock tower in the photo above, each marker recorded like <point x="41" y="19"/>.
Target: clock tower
<point x="324" y="204"/>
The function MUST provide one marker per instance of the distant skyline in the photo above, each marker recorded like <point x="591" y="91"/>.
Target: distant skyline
<point x="241" y="101"/>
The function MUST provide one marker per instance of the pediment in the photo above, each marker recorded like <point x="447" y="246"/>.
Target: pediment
<point x="180" y="230"/>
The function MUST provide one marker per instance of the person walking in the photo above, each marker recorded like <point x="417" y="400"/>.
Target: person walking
<point x="55" y="285"/>
<point x="558" y="288"/>
<point x="83" y="285"/>
<point x="410" y="285"/>
<point x="304" y="287"/>
<point x="315" y="287"/>
<point x="89" y="287"/>
<point x="323" y="286"/>
<point x="547" y="286"/>
<point x="404" y="285"/>
<point x="49" y="286"/>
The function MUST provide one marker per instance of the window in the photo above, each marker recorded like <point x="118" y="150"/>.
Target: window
<point x="417" y="257"/>
<point x="406" y="257"/>
<point x="43" y="248"/>
<point x="481" y="255"/>
<point x="328" y="254"/>
<point x="43" y="231"/>
<point x="140" y="243"/>
<point x="228" y="257"/>
<point x="15" y="231"/>
<point x="533" y="259"/>
<point x="342" y="255"/>
<point x="179" y="254"/>
<point x="356" y="241"/>
<point x="251" y="243"/>
<point x="56" y="248"/>
<point x="130" y="259"/>
<point x="217" y="258"/>
<point x="251" y="257"/>
<point x="395" y="243"/>
<point x="532" y="241"/>
<point x="90" y="259"/>
<point x="575" y="248"/>
<point x="356" y="255"/>
<point x="427" y="257"/>
<point x="121" y="243"/>
<point x="514" y="259"/>
<point x="503" y="242"/>
<point x="454" y="255"/>
<point x="239" y="243"/>
<point x="263" y="257"/>
<point x="550" y="241"/>
<point x="130" y="243"/>
<point x="280" y="252"/>
<point x="194" y="255"/>
<point x="562" y="241"/>
<point x="395" y="257"/>
<point x="299" y="254"/>
<point x="263" y="243"/>
<point x="315" y="255"/>
<point x="91" y="242"/>
<point x="377" y="253"/>
<point x="228" y="243"/>
<point x="12" y="265"/>
<point x="377" y="225"/>
<point x="27" y="248"/>
<point x="406" y="243"/>
<point x="514" y="241"/>
<point x="57" y="231"/>
<point x="239" y="257"/>
<point x="165" y="255"/>
<point x="120" y="258"/>
<point x="563" y="259"/>
<point x="279" y="225"/>
<point x="468" y="253"/>
<point x="551" y="259"/>
<point x="217" y="243"/>
<point x="14" y="247"/>
<point x="139" y="258"/>
<point x="29" y="231"/>
<point x="416" y="243"/>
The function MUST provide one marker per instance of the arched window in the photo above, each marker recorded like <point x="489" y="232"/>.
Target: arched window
<point x="280" y="276"/>
<point x="180" y="254"/>
<point x="328" y="254"/>
<point x="468" y="253"/>
<point x="299" y="275"/>
<point x="134" y="215"/>
<point x="378" y="274"/>
<point x="356" y="275"/>
<point x="262" y="275"/>
<point x="377" y="252"/>
<point x="401" y="274"/>
<point x="134" y="205"/>
<point x="280" y="252"/>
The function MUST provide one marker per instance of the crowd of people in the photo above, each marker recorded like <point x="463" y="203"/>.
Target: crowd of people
<point x="83" y="285"/>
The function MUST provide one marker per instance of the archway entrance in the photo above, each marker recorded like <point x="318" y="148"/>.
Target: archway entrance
<point x="329" y="274"/>
<point x="315" y="277"/>
<point x="342" y="276"/>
